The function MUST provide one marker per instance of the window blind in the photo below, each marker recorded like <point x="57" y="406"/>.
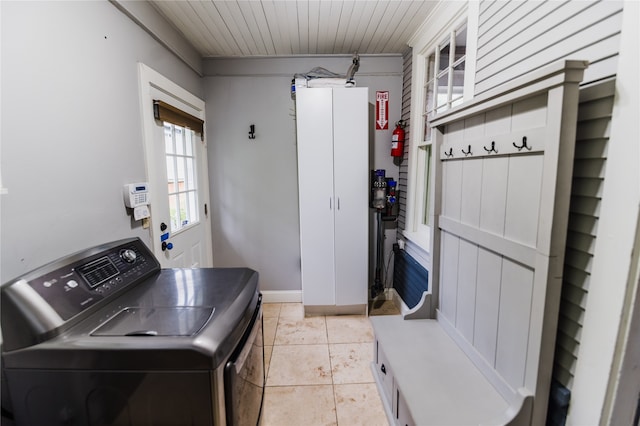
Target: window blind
<point x="165" y="112"/>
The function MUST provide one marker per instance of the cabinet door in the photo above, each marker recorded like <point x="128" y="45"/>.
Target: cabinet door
<point x="315" y="187"/>
<point x="351" y="185"/>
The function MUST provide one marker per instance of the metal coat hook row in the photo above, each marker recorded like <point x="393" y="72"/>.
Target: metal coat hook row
<point x="467" y="152"/>
<point x="524" y="144"/>
<point x="252" y="131"/>
<point x="493" y="148"/>
<point x="450" y="153"/>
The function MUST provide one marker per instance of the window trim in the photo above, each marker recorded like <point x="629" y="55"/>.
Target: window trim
<point x="454" y="15"/>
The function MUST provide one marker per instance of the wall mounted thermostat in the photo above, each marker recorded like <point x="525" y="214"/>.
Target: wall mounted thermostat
<point x="136" y="194"/>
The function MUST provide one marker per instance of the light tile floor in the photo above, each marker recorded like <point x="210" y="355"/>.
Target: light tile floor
<point x="318" y="369"/>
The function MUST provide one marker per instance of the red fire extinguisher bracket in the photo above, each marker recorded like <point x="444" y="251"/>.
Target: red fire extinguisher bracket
<point x="397" y="140"/>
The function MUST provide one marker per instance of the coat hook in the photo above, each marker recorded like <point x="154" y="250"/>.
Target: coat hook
<point x="252" y="131"/>
<point x="493" y="148"/>
<point x="450" y="153"/>
<point x="467" y="152"/>
<point x="524" y="144"/>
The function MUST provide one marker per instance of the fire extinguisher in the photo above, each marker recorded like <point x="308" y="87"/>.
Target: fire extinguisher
<point x="397" y="140"/>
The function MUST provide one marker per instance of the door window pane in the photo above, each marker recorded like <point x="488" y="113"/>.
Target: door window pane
<point x="179" y="138"/>
<point x="181" y="176"/>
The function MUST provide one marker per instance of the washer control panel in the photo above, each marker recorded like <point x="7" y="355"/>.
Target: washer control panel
<point x="77" y="285"/>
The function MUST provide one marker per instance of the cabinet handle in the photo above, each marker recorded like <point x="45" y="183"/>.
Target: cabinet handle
<point x="329" y="203"/>
<point x="338" y="203"/>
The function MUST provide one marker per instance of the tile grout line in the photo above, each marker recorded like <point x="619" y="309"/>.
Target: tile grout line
<point x="333" y="384"/>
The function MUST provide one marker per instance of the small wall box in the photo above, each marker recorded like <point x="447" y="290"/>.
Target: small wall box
<point x="136" y="194"/>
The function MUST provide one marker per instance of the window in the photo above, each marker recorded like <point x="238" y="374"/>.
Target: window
<point x="443" y="89"/>
<point x="440" y="83"/>
<point x="181" y="175"/>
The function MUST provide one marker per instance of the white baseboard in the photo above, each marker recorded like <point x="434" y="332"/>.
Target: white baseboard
<point x="281" y="296"/>
<point x="397" y="300"/>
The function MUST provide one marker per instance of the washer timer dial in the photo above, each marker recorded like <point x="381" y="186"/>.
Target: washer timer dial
<point x="128" y="255"/>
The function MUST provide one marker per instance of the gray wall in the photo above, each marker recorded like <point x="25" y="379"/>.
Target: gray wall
<point x="253" y="183"/>
<point x="71" y="126"/>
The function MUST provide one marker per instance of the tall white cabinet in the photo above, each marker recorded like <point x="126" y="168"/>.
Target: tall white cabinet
<point x="333" y="184"/>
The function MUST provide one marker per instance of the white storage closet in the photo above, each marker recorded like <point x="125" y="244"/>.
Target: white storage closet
<point x="333" y="182"/>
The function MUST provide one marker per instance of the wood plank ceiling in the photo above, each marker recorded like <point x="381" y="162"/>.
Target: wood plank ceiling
<point x="295" y="27"/>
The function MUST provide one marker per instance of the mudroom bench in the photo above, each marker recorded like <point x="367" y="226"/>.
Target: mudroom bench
<point x="424" y="378"/>
<point x="482" y="352"/>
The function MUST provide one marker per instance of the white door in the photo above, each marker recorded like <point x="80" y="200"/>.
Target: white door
<point x="314" y="119"/>
<point x="177" y="171"/>
<point x="351" y="183"/>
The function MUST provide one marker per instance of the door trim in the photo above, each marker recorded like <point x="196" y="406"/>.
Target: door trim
<point x="154" y="85"/>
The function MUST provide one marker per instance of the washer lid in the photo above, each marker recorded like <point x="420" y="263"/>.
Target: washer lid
<point x="156" y="321"/>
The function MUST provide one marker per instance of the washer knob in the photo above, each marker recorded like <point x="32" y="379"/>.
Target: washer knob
<point x="128" y="255"/>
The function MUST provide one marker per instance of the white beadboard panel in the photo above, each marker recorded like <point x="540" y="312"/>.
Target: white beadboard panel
<point x="452" y="189"/>
<point x="474" y="127"/>
<point x="220" y="28"/>
<point x="538" y="33"/>
<point x="384" y="31"/>
<point x="514" y="315"/>
<point x="523" y="198"/>
<point x="529" y="114"/>
<point x="449" y="274"/>
<point x="494" y="195"/>
<point x="194" y="27"/>
<point x="413" y="19"/>
<point x="498" y="121"/>
<point x="471" y="191"/>
<point x="466" y="297"/>
<point x="257" y="19"/>
<point x="487" y="304"/>
<point x="299" y="14"/>
<point x="233" y="16"/>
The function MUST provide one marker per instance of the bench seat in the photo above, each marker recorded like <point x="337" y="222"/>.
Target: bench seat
<point x="427" y="379"/>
